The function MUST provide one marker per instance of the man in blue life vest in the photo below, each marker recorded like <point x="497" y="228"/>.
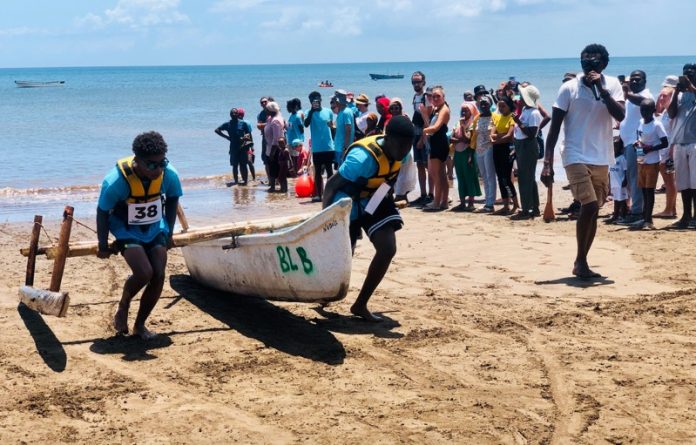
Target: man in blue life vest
<point x="131" y="208"/>
<point x="367" y="174"/>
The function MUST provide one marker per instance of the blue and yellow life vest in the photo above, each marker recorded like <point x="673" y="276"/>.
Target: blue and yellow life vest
<point x="137" y="188"/>
<point x="387" y="170"/>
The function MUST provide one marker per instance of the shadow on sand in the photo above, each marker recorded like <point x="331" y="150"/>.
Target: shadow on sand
<point x="582" y="283"/>
<point x="256" y="318"/>
<point x="352" y="325"/>
<point x="132" y="348"/>
<point x="47" y="344"/>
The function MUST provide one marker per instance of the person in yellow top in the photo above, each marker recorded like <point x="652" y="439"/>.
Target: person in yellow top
<point x="501" y="136"/>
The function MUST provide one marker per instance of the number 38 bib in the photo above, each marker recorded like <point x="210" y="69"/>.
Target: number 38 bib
<point x="144" y="212"/>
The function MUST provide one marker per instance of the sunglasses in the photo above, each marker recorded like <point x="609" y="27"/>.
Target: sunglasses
<point x="437" y="96"/>
<point x="394" y="107"/>
<point x="154" y="165"/>
<point x="416" y="82"/>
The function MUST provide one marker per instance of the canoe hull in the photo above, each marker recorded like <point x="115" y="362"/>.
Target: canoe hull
<point x="310" y="262"/>
<point x="386" y="76"/>
<point x="32" y="84"/>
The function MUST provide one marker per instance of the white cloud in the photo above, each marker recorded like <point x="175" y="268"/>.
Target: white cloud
<point x="137" y="14"/>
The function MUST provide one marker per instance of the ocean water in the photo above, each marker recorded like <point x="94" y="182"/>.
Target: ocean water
<point x="57" y="143"/>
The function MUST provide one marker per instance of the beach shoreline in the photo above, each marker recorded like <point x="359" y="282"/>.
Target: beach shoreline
<point x="487" y="339"/>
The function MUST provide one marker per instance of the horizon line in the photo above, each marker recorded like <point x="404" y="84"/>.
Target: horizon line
<point x="332" y="63"/>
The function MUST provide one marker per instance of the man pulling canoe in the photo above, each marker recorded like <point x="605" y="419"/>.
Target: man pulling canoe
<point x="367" y="174"/>
<point x="132" y="206"/>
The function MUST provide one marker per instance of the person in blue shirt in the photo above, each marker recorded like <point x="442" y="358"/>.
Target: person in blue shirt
<point x="131" y="208"/>
<point x="236" y="130"/>
<point x="369" y="169"/>
<point x="345" y="126"/>
<point x="295" y="130"/>
<point x="319" y="121"/>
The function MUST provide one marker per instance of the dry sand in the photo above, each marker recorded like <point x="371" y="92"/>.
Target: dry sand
<point x="487" y="339"/>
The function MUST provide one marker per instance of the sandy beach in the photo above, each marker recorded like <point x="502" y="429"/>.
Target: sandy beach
<point x="487" y="339"/>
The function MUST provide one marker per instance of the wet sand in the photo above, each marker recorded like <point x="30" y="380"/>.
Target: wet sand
<point x="487" y="339"/>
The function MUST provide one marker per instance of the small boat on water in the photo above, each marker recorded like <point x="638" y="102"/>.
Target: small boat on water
<point x="386" y="76"/>
<point x="325" y="85"/>
<point x="309" y="262"/>
<point x="33" y="84"/>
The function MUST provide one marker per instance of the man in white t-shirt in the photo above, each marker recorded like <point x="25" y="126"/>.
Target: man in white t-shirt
<point x="587" y="107"/>
<point x="634" y="93"/>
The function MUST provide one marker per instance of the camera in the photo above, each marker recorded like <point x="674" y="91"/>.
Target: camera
<point x="622" y="78"/>
<point x="591" y="65"/>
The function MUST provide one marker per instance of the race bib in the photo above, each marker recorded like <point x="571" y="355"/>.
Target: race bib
<point x="145" y="212"/>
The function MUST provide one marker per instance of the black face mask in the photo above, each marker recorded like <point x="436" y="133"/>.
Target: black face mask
<point x="591" y="65"/>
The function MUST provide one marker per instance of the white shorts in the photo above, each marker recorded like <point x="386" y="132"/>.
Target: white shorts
<point x="619" y="193"/>
<point x="685" y="166"/>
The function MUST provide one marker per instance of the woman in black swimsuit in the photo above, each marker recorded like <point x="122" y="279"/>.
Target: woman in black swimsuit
<point x="439" y="149"/>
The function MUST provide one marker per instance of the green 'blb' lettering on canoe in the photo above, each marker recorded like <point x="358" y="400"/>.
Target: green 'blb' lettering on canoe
<point x="286" y="263"/>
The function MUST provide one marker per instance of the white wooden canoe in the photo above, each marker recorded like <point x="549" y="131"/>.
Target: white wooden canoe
<point x="310" y="262"/>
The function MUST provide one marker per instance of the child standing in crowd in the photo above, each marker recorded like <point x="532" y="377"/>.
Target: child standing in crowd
<point x="652" y="137"/>
<point x="501" y="138"/>
<point x="618" y="182"/>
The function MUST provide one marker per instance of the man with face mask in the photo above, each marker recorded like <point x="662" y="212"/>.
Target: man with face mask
<point x="634" y="93"/>
<point x="587" y="106"/>
<point x="682" y="109"/>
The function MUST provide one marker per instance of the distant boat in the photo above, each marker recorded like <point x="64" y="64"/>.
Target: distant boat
<point x="325" y="85"/>
<point x="386" y="76"/>
<point x="32" y="84"/>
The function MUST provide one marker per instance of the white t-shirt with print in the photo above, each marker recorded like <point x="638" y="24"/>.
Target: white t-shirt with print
<point x="617" y="174"/>
<point x="629" y="126"/>
<point x="530" y="117"/>
<point x="587" y="124"/>
<point x="650" y="134"/>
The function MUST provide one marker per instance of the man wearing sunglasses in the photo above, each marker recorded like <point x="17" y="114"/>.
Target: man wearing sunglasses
<point x="131" y="208"/>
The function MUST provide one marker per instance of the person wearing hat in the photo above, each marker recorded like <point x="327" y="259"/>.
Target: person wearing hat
<point x="345" y="126"/>
<point x="586" y="107"/>
<point x="234" y="131"/>
<point x="319" y="121"/>
<point x="362" y="102"/>
<point x="527" y="151"/>
<point x="369" y="169"/>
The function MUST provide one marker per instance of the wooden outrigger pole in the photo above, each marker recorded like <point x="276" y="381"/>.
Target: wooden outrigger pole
<point x="51" y="301"/>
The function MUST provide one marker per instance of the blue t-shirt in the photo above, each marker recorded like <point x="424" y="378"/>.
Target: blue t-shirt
<point x="321" y="133"/>
<point x="295" y="128"/>
<point x="237" y="133"/>
<point x="344" y="118"/>
<point x="115" y="189"/>
<point x="359" y="163"/>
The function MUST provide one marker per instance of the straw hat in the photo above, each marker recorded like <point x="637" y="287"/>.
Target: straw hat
<point x="530" y="95"/>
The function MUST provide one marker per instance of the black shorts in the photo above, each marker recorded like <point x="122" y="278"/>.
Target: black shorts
<point x="386" y="215"/>
<point x="323" y="161"/>
<point x="123" y="244"/>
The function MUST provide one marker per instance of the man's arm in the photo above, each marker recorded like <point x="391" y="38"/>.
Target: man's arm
<point x="103" y="233"/>
<point x="557" y="116"/>
<point x="170" y="206"/>
<point x="219" y="132"/>
<point x="333" y="184"/>
<point x="674" y="104"/>
<point x="308" y="119"/>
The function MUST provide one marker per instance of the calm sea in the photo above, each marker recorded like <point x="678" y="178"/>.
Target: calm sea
<point x="57" y="143"/>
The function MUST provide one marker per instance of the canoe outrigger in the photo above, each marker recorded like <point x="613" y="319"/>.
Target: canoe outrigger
<point x="303" y="258"/>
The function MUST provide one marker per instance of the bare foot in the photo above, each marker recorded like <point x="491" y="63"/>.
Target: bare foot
<point x="363" y="313"/>
<point x="121" y="321"/>
<point x="143" y="333"/>
<point x="584" y="271"/>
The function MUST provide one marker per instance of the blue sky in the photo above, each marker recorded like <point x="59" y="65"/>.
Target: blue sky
<point x="43" y="33"/>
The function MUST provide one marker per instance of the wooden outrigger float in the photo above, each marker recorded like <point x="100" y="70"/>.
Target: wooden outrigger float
<point x="218" y="255"/>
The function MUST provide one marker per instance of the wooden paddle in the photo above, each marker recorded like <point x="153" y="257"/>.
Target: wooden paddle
<point x="549" y="214"/>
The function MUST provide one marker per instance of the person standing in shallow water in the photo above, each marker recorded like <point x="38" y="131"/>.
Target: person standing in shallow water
<point x="588" y="106"/>
<point x="236" y="128"/>
<point x="131" y="208"/>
